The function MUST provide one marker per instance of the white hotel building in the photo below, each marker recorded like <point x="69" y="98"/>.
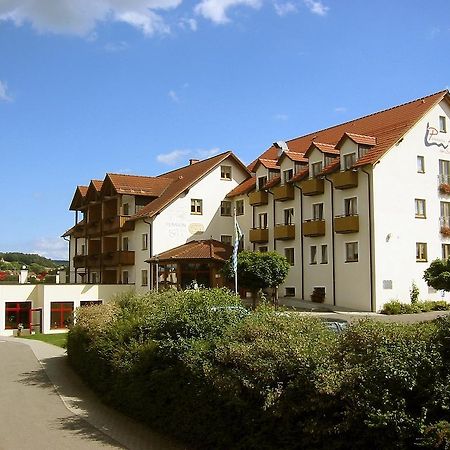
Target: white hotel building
<point x="359" y="209"/>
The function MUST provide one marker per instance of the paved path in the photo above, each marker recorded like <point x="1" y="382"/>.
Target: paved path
<point x="45" y="406"/>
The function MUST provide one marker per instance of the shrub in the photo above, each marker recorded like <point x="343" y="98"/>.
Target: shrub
<point x="397" y="307"/>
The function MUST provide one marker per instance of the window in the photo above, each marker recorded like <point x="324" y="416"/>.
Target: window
<point x="262" y="249"/>
<point x="362" y="150"/>
<point x="289" y="254"/>
<point x="299" y="166"/>
<point x="94" y="277"/>
<point x="225" y="172"/>
<point x="313" y="254"/>
<point x="289" y="292"/>
<point x="225" y="208"/>
<point x="145" y="241"/>
<point x="239" y="207"/>
<point x="444" y="171"/>
<point x="421" y="251"/>
<point x="263" y="221"/>
<point x="144" y="278"/>
<point x="420" y="208"/>
<point x="442" y="124"/>
<point x="262" y="181"/>
<point x="287" y="175"/>
<point x="60" y="314"/>
<point x="316" y="168"/>
<point x="420" y="164"/>
<point x="273" y="173"/>
<point x="196" y="206"/>
<point x="226" y="239"/>
<point x="351" y="206"/>
<point x="126" y="209"/>
<point x="349" y="161"/>
<point x="137" y="208"/>
<point x="288" y="216"/>
<point x="317" y="211"/>
<point x="15" y="313"/>
<point x="83" y="249"/>
<point x="324" y="259"/>
<point x="351" y="252"/>
<point x="329" y="160"/>
<point x="125" y="277"/>
<point x="125" y="243"/>
<point x="445" y="251"/>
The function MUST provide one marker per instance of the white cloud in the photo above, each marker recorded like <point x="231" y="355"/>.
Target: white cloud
<point x="281" y="116"/>
<point x="316" y="7"/>
<point x="80" y="17"/>
<point x="188" y="23"/>
<point x="340" y="109"/>
<point x="173" y="96"/>
<point x="216" y="10"/>
<point x="4" y="94"/>
<point x="54" y="248"/>
<point x="282" y="9"/>
<point x="113" y="47"/>
<point x="178" y="157"/>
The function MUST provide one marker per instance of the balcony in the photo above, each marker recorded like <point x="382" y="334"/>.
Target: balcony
<point x="258" y="198"/>
<point x="314" y="186"/>
<point x="113" y="225"/>
<point x="314" y="228"/>
<point x="346" y="224"/>
<point x="283" y="193"/>
<point x="284" y="232"/>
<point x="79" y="261"/>
<point x="346" y="179"/>
<point x="259" y="235"/>
<point x="93" y="260"/>
<point x="118" y="258"/>
<point x="94" y="227"/>
<point x="79" y="229"/>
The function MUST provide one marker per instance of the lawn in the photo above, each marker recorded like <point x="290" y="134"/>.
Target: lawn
<point x="58" y="339"/>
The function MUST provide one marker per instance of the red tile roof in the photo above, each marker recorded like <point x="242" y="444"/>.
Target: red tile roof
<point x="209" y="249"/>
<point x="293" y="156"/>
<point x="138" y="185"/>
<point x="267" y="163"/>
<point x="324" y="148"/>
<point x="183" y="179"/>
<point x="246" y="186"/>
<point x="386" y="126"/>
<point x="78" y="198"/>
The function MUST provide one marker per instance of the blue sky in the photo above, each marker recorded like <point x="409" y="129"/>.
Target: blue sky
<point x="140" y="86"/>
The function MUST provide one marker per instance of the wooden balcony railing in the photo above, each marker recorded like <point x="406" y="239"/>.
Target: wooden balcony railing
<point x="124" y="258"/>
<point x="258" y="198"/>
<point x="283" y="193"/>
<point x="284" y="231"/>
<point x="346" y="224"/>
<point x="346" y="179"/>
<point x="259" y="235"/>
<point x="114" y="224"/>
<point x="314" y="227"/>
<point x="313" y="186"/>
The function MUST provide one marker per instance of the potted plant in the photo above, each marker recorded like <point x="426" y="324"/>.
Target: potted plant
<point x="318" y="295"/>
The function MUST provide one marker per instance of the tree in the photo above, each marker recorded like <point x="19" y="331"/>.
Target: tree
<point x="258" y="270"/>
<point x="438" y="274"/>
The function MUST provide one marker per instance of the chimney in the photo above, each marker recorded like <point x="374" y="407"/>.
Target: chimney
<point x="281" y="147"/>
<point x="193" y="161"/>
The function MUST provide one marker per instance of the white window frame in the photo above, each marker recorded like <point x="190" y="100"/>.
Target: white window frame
<point x="313" y="254"/>
<point x="197" y="206"/>
<point x="287" y="175"/>
<point x="225" y="208"/>
<point x="442" y="124"/>
<point x="225" y="173"/>
<point x="348" y="161"/>
<point x="420" y="208"/>
<point x="289" y="253"/>
<point x="324" y="252"/>
<point x="292" y="292"/>
<point x="262" y="181"/>
<point x="352" y="256"/>
<point x="420" y="164"/>
<point x="288" y="216"/>
<point x="144" y="278"/>
<point x="144" y="241"/>
<point x="317" y="211"/>
<point x="421" y="252"/>
<point x="445" y="251"/>
<point x="240" y="207"/>
<point x="125" y="278"/>
<point x="263" y="221"/>
<point x="351" y="206"/>
<point x="125" y="243"/>
<point x="316" y="168"/>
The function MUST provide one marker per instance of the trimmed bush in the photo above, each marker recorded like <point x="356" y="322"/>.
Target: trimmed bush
<point x="195" y="365"/>
<point x="397" y="307"/>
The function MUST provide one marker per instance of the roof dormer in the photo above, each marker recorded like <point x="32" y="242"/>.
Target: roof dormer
<point x="352" y="147"/>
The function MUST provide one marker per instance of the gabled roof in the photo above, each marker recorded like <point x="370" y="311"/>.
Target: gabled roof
<point x="267" y="163"/>
<point x="324" y="148"/>
<point x="94" y="188"/>
<point x="293" y="156"/>
<point x="137" y="185"/>
<point x="208" y="249"/>
<point x="357" y="139"/>
<point x="78" y="198"/>
<point x="387" y="126"/>
<point x="181" y="180"/>
<point x="246" y="186"/>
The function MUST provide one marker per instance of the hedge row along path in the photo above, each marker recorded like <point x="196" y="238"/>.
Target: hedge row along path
<point x="44" y="405"/>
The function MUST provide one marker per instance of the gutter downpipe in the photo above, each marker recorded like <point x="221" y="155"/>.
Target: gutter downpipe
<point x="301" y="240"/>
<point x="274" y="221"/>
<point x="333" y="275"/>
<point x="253" y="219"/>
<point x="150" y="250"/>
<point x="369" y="193"/>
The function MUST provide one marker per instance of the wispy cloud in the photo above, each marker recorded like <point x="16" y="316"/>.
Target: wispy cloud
<point x="283" y="9"/>
<point x="316" y="7"/>
<point x="54" y="248"/>
<point x="281" y="116"/>
<point x="4" y="93"/>
<point x="188" y="23"/>
<point x="115" y="46"/>
<point x="217" y="10"/>
<point x="434" y="32"/>
<point x="173" y="96"/>
<point x="340" y="109"/>
<point x="81" y="17"/>
<point x="179" y="156"/>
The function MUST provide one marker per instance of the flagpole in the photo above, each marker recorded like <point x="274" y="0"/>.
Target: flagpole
<point x="235" y="263"/>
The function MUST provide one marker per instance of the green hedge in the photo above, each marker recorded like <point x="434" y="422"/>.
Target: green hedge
<point x="193" y="365"/>
<point x="397" y="307"/>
